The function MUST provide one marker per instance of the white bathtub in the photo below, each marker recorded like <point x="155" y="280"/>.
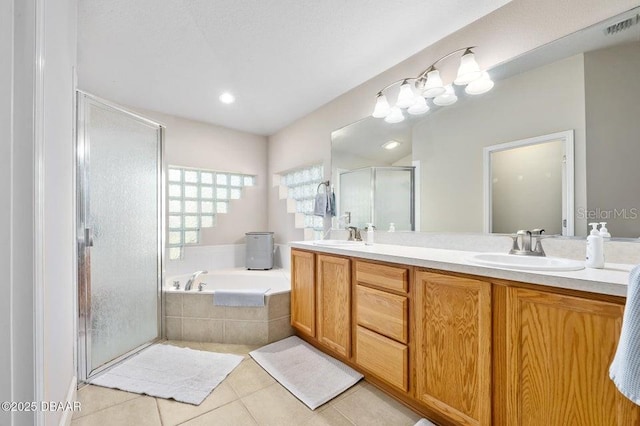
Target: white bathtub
<point x="277" y="280"/>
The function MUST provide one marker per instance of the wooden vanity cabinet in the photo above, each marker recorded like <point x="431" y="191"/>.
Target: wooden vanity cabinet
<point x="303" y="292"/>
<point x="452" y="320"/>
<point x="333" y="303"/>
<point x="381" y="317"/>
<point x="557" y="350"/>
<point x="465" y="350"/>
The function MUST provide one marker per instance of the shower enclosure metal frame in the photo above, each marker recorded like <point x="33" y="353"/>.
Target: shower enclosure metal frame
<point x="84" y="236"/>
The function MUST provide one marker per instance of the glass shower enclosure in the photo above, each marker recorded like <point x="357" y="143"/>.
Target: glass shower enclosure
<point x="119" y="198"/>
<point x="378" y="195"/>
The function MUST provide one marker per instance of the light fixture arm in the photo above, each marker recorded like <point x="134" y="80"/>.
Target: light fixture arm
<point x="448" y="55"/>
<point x="402" y="80"/>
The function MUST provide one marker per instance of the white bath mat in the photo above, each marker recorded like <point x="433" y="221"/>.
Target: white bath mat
<point x="312" y="376"/>
<point x="166" y="371"/>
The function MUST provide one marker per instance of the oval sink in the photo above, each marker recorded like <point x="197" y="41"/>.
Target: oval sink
<point x="338" y="243"/>
<point x="526" y="263"/>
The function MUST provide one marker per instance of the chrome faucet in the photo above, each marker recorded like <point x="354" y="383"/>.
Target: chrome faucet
<point x="195" y="275"/>
<point x="354" y="234"/>
<point x="523" y="243"/>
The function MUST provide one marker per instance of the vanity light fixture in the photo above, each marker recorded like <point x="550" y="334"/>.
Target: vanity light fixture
<point x="428" y="84"/>
<point x="382" y="108"/>
<point x="406" y="97"/>
<point x="391" y="145"/>
<point x="480" y="86"/>
<point x="395" y="116"/>
<point x="227" y="98"/>
<point x="447" y="98"/>
<point x="420" y="107"/>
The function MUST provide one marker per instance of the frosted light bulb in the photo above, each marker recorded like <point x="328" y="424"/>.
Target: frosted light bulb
<point x="420" y="107"/>
<point x="382" y="107"/>
<point x="433" y="86"/>
<point x="469" y="69"/>
<point x="480" y="86"/>
<point x="406" y="98"/>
<point x="447" y="98"/>
<point x="395" y="116"/>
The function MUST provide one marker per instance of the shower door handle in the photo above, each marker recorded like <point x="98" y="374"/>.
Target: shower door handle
<point x="88" y="237"/>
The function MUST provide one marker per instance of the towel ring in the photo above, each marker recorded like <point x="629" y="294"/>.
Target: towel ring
<point x="325" y="183"/>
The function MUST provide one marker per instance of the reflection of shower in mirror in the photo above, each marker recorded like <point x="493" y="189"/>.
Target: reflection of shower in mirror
<point x="378" y="195"/>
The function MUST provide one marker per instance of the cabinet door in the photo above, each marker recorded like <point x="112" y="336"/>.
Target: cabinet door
<point x="333" y="292"/>
<point x="453" y="346"/>
<point x="559" y="349"/>
<point x="303" y="292"/>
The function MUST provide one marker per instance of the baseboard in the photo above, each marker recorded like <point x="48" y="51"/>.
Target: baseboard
<point x="72" y="396"/>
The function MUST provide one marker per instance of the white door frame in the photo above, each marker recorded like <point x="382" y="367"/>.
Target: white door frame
<point x="568" y="188"/>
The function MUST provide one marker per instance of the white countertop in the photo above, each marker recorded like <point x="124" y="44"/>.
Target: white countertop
<point x="611" y="280"/>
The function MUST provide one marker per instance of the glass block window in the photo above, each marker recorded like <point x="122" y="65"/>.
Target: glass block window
<point x="195" y="197"/>
<point x="302" y="186"/>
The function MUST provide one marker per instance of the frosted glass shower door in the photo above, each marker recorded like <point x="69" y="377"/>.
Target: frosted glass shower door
<point x="356" y="196"/>
<point x="394" y="198"/>
<point x="119" y="232"/>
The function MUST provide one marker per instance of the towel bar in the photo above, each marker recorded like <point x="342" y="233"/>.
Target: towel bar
<point x="325" y="183"/>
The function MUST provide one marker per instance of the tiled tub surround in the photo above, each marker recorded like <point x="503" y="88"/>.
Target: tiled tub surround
<point x="191" y="315"/>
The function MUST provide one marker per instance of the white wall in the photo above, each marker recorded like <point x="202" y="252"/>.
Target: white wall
<point x="59" y="195"/>
<point x="517" y="27"/>
<point x="17" y="41"/>
<point x="196" y="144"/>
<point x="612" y="93"/>
<point x="6" y="142"/>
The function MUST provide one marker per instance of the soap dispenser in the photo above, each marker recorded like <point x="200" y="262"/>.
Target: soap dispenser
<point x="370" y="234"/>
<point x="595" y="248"/>
<point x="604" y="232"/>
<point x="392" y="227"/>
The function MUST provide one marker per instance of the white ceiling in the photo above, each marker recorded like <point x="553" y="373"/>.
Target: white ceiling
<point x="282" y="59"/>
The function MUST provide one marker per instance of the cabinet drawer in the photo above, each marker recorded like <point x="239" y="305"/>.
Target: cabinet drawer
<point x="383" y="312"/>
<point x="383" y="357"/>
<point x="389" y="277"/>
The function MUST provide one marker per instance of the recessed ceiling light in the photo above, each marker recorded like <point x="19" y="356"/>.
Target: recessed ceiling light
<point x="391" y="145"/>
<point x="227" y="98"/>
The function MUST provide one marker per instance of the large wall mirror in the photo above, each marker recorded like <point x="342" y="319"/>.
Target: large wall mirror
<point x="586" y="84"/>
<point x="518" y="172"/>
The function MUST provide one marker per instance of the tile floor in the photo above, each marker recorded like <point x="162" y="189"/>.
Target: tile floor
<point x="248" y="396"/>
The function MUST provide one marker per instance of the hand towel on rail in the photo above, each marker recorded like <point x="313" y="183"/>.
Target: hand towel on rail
<point x="321" y="204"/>
<point x="240" y="297"/>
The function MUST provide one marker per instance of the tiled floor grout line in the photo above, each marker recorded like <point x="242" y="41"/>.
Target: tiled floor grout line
<point x="110" y="406"/>
<point x="344" y="415"/>
<point x="159" y="413"/>
<point x="252" y="392"/>
<point x="206" y="412"/>
<point x="249" y="412"/>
